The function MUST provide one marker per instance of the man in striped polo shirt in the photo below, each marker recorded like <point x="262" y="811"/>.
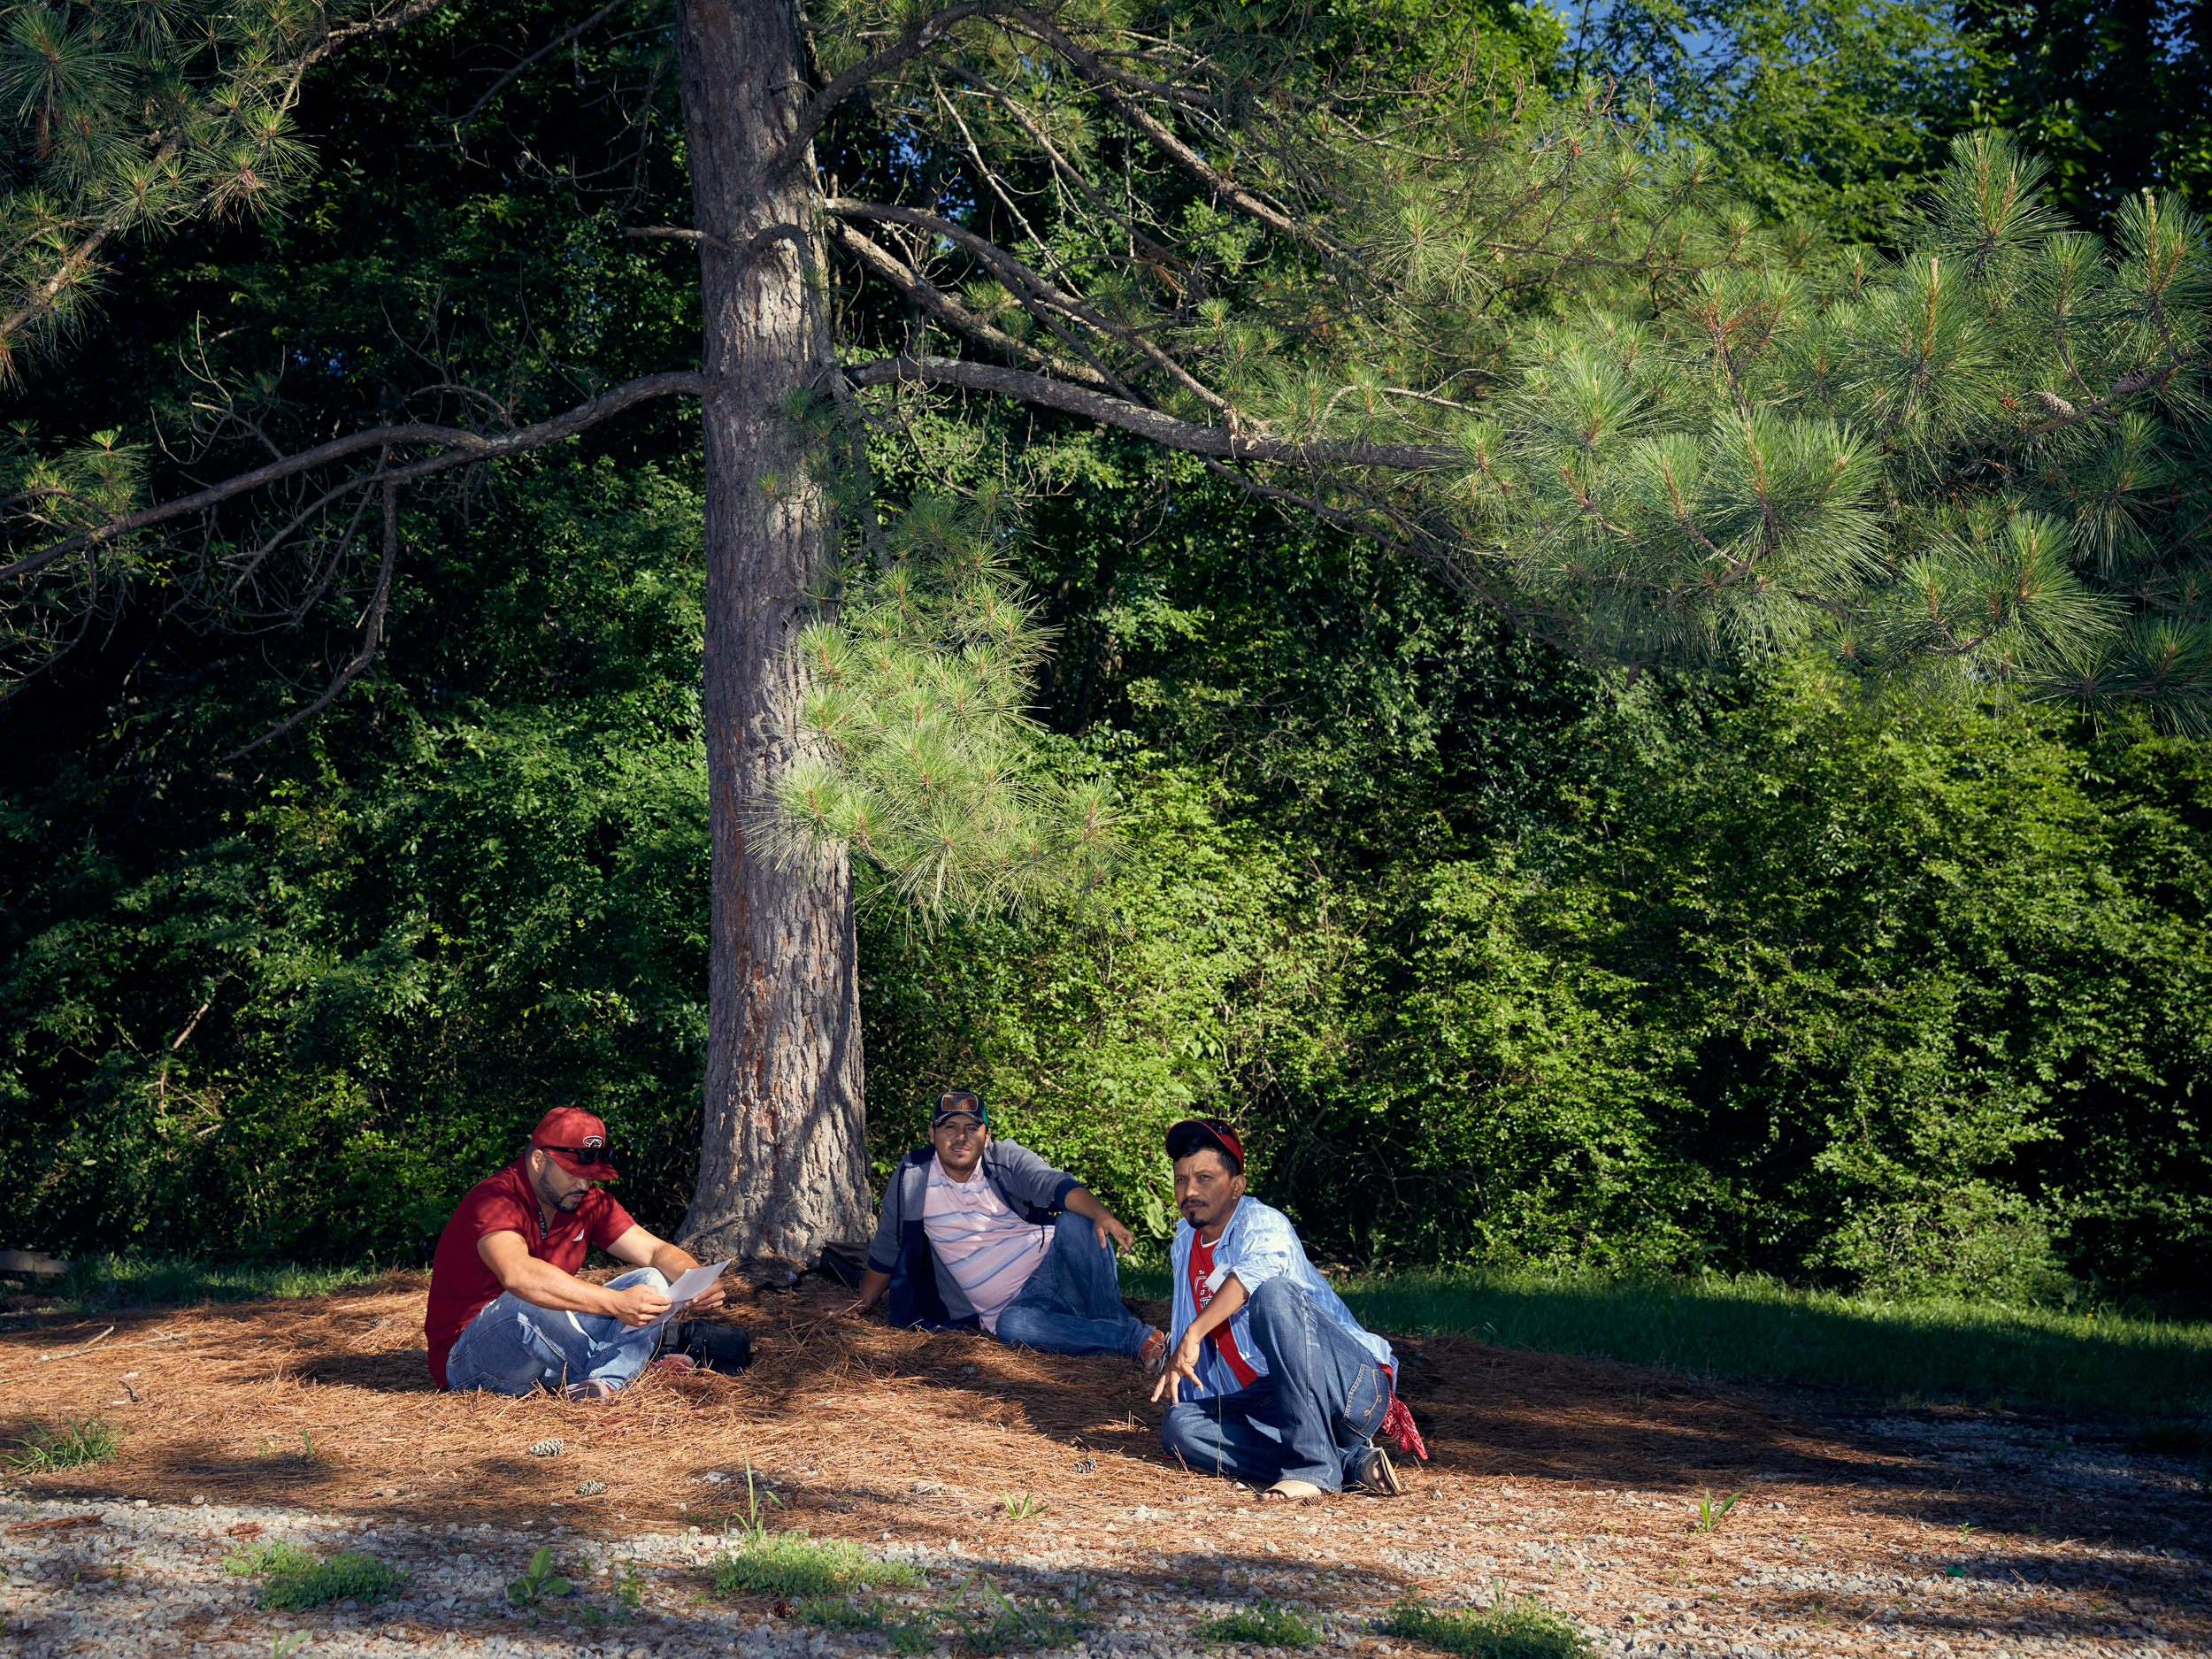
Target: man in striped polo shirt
<point x="1270" y="1379"/>
<point x="978" y="1232"/>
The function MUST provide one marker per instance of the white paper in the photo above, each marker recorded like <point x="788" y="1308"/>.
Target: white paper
<point x="689" y="1286"/>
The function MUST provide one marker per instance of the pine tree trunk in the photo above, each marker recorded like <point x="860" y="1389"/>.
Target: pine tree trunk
<point x="782" y="1163"/>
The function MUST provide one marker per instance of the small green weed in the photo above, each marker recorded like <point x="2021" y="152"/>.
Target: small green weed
<point x="538" y="1581"/>
<point x="1709" y="1514"/>
<point x="1022" y="1508"/>
<point x="629" y="1587"/>
<point x="347" y="1576"/>
<point x="842" y="1613"/>
<point x="1262" y="1625"/>
<point x="275" y="1556"/>
<point x="757" y="1517"/>
<point x="1520" y="1629"/>
<point x="73" y="1443"/>
<point x="1005" y="1623"/>
<point x="793" y="1564"/>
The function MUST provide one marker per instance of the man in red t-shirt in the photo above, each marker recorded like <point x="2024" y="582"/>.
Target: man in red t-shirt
<point x="507" y="1311"/>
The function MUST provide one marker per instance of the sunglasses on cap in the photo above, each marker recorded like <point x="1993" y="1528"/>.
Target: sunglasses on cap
<point x="584" y="1155"/>
<point x="958" y="1102"/>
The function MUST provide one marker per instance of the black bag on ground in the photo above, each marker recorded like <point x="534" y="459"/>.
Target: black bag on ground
<point x="844" y="1263"/>
<point x="711" y="1347"/>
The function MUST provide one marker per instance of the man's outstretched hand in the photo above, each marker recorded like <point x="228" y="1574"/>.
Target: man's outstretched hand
<point x="1113" y="1236"/>
<point x="1181" y="1364"/>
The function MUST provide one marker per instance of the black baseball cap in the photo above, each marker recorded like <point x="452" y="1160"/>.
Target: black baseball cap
<point x="959" y="1102"/>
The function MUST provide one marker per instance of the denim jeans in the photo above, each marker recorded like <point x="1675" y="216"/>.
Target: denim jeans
<point x="1072" y="1302"/>
<point x="514" y="1346"/>
<point x="1309" y="1417"/>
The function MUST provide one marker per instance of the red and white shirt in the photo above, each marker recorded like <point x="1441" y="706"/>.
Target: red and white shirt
<point x="1257" y="1243"/>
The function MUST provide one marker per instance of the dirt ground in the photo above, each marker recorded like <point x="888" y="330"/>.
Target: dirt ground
<point x="1573" y="1479"/>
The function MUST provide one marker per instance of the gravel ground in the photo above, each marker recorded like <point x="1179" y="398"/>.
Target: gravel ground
<point x="128" y="1578"/>
<point x="1936" y="1532"/>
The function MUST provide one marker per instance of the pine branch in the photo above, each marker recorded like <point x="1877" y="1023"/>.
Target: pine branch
<point x="919" y="38"/>
<point x="457" y="446"/>
<point x="371" y="634"/>
<point x="1017" y="274"/>
<point x="80" y="258"/>
<point x="928" y="295"/>
<point x="1228" y="440"/>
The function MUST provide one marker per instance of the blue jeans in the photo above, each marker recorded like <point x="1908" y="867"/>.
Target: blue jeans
<point x="1072" y="1302"/>
<point x="514" y="1346"/>
<point x="1309" y="1417"/>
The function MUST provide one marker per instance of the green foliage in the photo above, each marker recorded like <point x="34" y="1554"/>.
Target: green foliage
<point x="1510" y="1628"/>
<point x="291" y="1587"/>
<point x="1747" y="1328"/>
<point x="496" y="908"/>
<point x="793" y="1564"/>
<point x="1093" y="1026"/>
<point x="2119" y="97"/>
<point x="115" y="1281"/>
<point x="538" y="1581"/>
<point x="1262" y="1625"/>
<point x="1710" y="1513"/>
<point x="277" y="1555"/>
<point x="1749" y="971"/>
<point x="1828" y="112"/>
<point x="73" y="1443"/>
<point x="924" y="762"/>
<point x="133" y="119"/>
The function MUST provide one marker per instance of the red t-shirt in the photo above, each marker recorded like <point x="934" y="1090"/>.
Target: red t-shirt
<point x="460" y="1283"/>
<point x="1225" y="1341"/>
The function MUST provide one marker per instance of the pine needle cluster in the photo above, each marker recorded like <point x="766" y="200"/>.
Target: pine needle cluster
<point x="918" y="757"/>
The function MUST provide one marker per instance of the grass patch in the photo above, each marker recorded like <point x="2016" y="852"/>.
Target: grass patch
<point x="73" y="1443"/>
<point x="297" y="1581"/>
<point x="795" y="1564"/>
<point x="1003" y="1624"/>
<point x="994" y="1624"/>
<point x="1262" y="1625"/>
<point x="1750" y="1329"/>
<point x="844" y="1614"/>
<point x="129" y="1281"/>
<point x="1521" y="1629"/>
<point x="277" y="1556"/>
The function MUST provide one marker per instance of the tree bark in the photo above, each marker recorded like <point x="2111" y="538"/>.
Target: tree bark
<point x="782" y="1161"/>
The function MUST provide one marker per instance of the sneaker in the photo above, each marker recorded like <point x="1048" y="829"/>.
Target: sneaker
<point x="1153" y="1353"/>
<point x="712" y="1346"/>
<point x="1374" y="1473"/>
<point x="590" y="1388"/>
<point x="674" y="1364"/>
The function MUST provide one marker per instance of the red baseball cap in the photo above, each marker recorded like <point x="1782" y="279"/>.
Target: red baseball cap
<point x="1193" y="1133"/>
<point x="576" y="1140"/>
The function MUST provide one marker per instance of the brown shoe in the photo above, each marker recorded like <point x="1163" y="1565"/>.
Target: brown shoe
<point x="1374" y="1473"/>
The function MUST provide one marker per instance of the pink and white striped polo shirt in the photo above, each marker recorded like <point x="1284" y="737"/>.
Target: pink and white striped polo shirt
<point x="989" y="1250"/>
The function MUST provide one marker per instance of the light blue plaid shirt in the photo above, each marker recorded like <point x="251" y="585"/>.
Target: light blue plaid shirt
<point x="1257" y="1245"/>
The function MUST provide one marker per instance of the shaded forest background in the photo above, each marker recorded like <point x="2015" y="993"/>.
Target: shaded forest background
<point x="1497" y="958"/>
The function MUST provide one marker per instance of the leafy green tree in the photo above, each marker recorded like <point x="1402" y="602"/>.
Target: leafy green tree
<point x="1834" y="112"/>
<point x="1513" y="336"/>
<point x="2119" y="97"/>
